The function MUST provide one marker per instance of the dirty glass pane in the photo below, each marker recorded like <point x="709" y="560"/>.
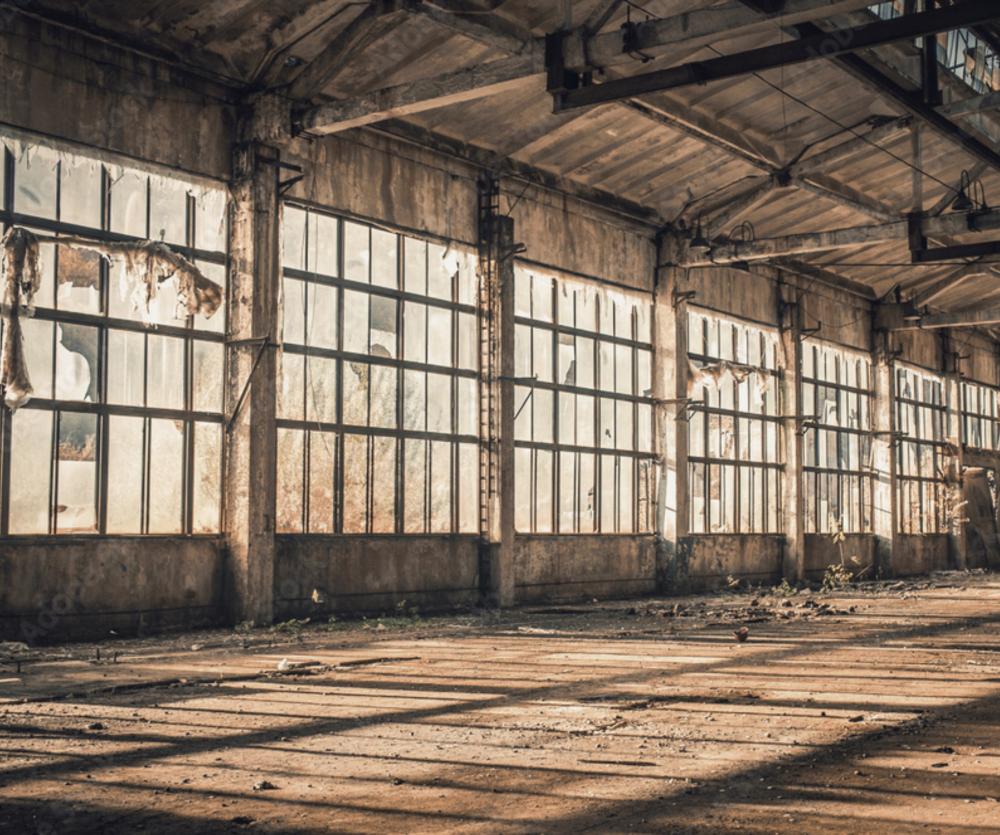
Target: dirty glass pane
<point x="293" y="238"/>
<point x="383" y="326"/>
<point x="626" y="503"/>
<point x="384" y="476"/>
<point x="415" y="266"/>
<point x="356" y="322"/>
<point x="125" y="467"/>
<point x="522" y="351"/>
<point x="544" y="505"/>
<point x="565" y="308"/>
<point x="355" y="483"/>
<point x="30" y="465"/>
<point x="168" y="211"/>
<point x="322" y="455"/>
<point x="384" y="258"/>
<point x="210" y="220"/>
<point x="606" y="360"/>
<point x="567" y="418"/>
<point x="584" y="359"/>
<point x="128" y="202"/>
<point x="383" y="396"/>
<point x="321" y="327"/>
<point x="291" y="386"/>
<point x="321" y="391"/>
<point x="323" y="234"/>
<point x="644" y="427"/>
<point x="441" y="267"/>
<point x="522" y="292"/>
<point x="76" y="363"/>
<point x="624" y="411"/>
<point x="293" y="311"/>
<point x="438" y="403"/>
<point x="207" y="365"/>
<point x="468" y="341"/>
<point x="439" y="330"/>
<point x="35" y="178"/>
<point x="355" y="381"/>
<point x="166" y="475"/>
<point x="608" y="491"/>
<point x="126" y="366"/>
<point x="290" y="480"/>
<point x="523" y="396"/>
<point x="78" y="280"/>
<point x="587" y="493"/>
<point x="37" y="338"/>
<point x="207" y="478"/>
<point x="543" y="420"/>
<point x="468" y="406"/>
<point x="80" y="191"/>
<point x="541" y="298"/>
<point x="623" y="369"/>
<point x="414" y="486"/>
<point x="165" y="372"/>
<point x="440" y="486"/>
<point x="468" y="278"/>
<point x="585" y="420"/>
<point x="522" y="489"/>
<point x="542" y="350"/>
<point x="567" y="492"/>
<point x="356" y="254"/>
<point x="414" y="332"/>
<point x="216" y="323"/>
<point x="468" y="488"/>
<point x="414" y="400"/>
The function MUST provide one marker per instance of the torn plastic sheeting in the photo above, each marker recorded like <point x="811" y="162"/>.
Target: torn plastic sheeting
<point x="715" y="372"/>
<point x="145" y="265"/>
<point x="22" y="277"/>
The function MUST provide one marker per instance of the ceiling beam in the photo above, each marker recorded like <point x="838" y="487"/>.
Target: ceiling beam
<point x="373" y="21"/>
<point x="740" y="203"/>
<point x="808" y="47"/>
<point x="845" y="196"/>
<point x="881" y="133"/>
<point x="975" y="104"/>
<point x="726" y="252"/>
<point x="581" y="50"/>
<point x="960" y="319"/>
<point x="425" y="94"/>
<point x="489" y="29"/>
<point x="940" y="287"/>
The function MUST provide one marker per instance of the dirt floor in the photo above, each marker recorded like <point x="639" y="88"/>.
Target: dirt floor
<point x="874" y="709"/>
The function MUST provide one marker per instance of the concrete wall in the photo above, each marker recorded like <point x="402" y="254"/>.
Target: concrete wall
<point x="707" y="561"/>
<point x="79" y="587"/>
<point x="577" y="567"/>
<point x="373" y="574"/>
<point x="920" y="554"/>
<point x="733" y="292"/>
<point x="822" y="552"/>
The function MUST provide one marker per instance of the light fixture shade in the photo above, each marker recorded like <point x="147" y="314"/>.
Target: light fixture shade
<point x="962" y="203"/>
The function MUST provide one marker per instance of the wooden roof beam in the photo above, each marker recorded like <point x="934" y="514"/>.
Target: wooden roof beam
<point x="727" y="252"/>
<point x="374" y="20"/>
<point x="489" y="29"/>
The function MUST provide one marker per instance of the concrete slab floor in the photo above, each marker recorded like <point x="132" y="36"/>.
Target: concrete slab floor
<point x="859" y="711"/>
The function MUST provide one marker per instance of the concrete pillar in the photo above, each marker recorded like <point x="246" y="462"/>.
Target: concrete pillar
<point x="885" y="491"/>
<point x="496" y="259"/>
<point x="958" y="555"/>
<point x="670" y="382"/>
<point x="253" y="332"/>
<point x="793" y="510"/>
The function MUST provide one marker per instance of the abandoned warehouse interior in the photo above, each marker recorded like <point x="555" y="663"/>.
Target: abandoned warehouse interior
<point x="496" y="302"/>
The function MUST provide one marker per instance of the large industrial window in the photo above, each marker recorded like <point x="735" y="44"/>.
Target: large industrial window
<point x="123" y="434"/>
<point x="836" y="405"/>
<point x="584" y="409"/>
<point x="922" y="451"/>
<point x="378" y="413"/>
<point x="734" y="426"/>
<point x="980" y="416"/>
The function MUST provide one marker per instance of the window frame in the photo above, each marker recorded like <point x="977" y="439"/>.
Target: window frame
<point x="105" y="324"/>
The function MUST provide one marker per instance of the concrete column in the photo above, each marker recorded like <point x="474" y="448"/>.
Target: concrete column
<point x="883" y="455"/>
<point x="253" y="331"/>
<point x="670" y="383"/>
<point x="958" y="554"/>
<point x="496" y="258"/>
<point x="793" y="510"/>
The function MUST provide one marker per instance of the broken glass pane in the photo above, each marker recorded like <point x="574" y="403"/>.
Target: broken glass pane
<point x="355" y="382"/>
<point x="125" y="465"/>
<point x="78" y="280"/>
<point x="383" y="326"/>
<point x="441" y="268"/>
<point x="168" y="211"/>
<point x="383" y="396"/>
<point x="76" y="362"/>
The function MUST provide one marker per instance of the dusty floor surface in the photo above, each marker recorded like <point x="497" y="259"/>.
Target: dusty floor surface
<point x="868" y="710"/>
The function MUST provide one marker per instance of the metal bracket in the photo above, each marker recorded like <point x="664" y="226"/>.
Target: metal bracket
<point x="681" y="296"/>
